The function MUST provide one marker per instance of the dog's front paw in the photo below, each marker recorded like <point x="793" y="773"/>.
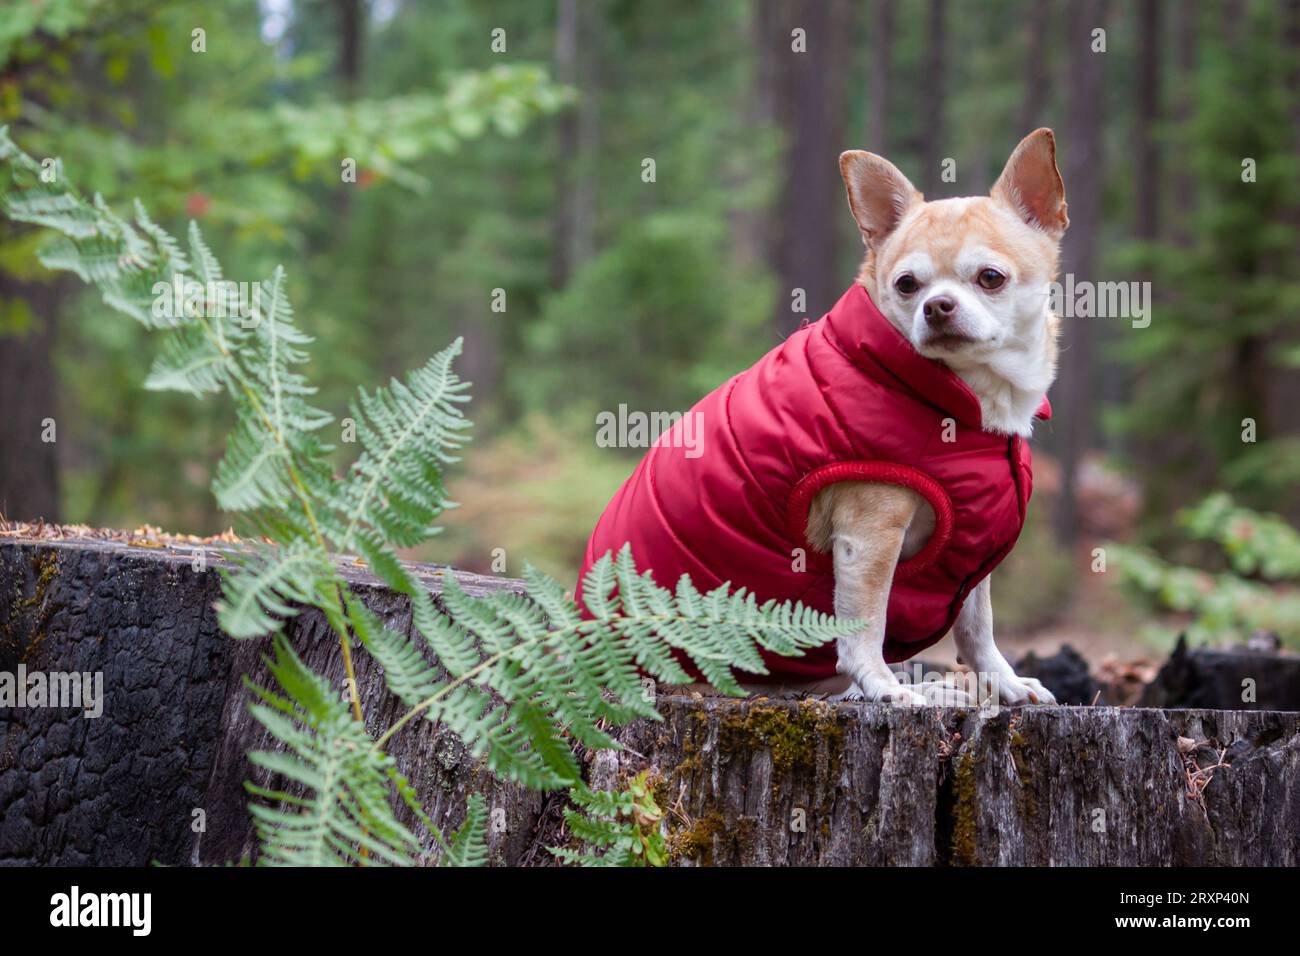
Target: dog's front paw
<point x="1014" y="691"/>
<point x="883" y="692"/>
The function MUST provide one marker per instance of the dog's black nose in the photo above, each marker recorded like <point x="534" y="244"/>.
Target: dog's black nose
<point x="940" y="310"/>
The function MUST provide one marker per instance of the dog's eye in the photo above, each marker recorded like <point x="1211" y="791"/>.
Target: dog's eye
<point x="906" y="284"/>
<point x="991" y="279"/>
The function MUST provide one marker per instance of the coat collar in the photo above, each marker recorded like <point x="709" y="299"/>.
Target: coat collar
<point x="872" y="343"/>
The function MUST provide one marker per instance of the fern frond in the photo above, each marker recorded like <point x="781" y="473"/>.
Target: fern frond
<point x="406" y="673"/>
<point x="501" y="736"/>
<point x="253" y="473"/>
<point x="166" y="250"/>
<point x="54" y="207"/>
<point x="560" y="675"/>
<point x="127" y="262"/>
<point x="468" y="845"/>
<point x="191" y="362"/>
<point x="453" y="647"/>
<point x="272" y="442"/>
<point x="135" y="266"/>
<point x="271" y="355"/>
<point x="206" y="266"/>
<point x="343" y="810"/>
<point x="96" y="259"/>
<point x="407" y="433"/>
<point x="269" y="585"/>
<point x="717" y="631"/>
<point x="618" y="827"/>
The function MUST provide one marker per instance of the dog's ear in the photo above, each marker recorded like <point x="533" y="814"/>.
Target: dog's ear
<point x="1031" y="184"/>
<point x="879" y="194"/>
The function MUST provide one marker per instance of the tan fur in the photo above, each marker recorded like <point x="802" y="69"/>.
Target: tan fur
<point x="871" y="511"/>
<point x="1031" y="184"/>
<point x="942" y="229"/>
<point x="874" y="510"/>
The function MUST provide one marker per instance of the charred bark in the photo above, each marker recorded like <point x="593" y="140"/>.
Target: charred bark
<point x="752" y="782"/>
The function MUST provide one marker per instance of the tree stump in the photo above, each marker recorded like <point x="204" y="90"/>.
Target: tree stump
<point x="159" y="776"/>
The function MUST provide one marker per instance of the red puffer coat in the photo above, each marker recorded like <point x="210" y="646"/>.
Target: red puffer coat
<point x="845" y="398"/>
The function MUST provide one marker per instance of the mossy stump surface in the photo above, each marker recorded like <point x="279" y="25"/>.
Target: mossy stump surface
<point x="753" y="782"/>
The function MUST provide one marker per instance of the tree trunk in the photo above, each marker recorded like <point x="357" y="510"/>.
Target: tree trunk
<point x="1175" y="225"/>
<point x="566" y="71"/>
<point x="1282" y="385"/>
<point x="29" y="469"/>
<point x="577" y="129"/>
<point x="1183" y="179"/>
<point x="351" y="25"/>
<point x="882" y="67"/>
<point x="1038" y="74"/>
<point x="1082" y="148"/>
<point x="349" y="36"/>
<point x="1148" y="180"/>
<point x="1115" y="379"/>
<point x="752" y="782"/>
<point x="809" y="102"/>
<point x="751" y="226"/>
<point x="933" y="133"/>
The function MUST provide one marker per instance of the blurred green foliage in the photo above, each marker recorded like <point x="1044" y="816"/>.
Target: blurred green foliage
<point x="1224" y="328"/>
<point x="529" y="493"/>
<point x="466" y="156"/>
<point x="1258" y="590"/>
<point x="658" y="290"/>
<point x="1037" y="557"/>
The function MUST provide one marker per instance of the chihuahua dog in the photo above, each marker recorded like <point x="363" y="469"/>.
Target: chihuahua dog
<point x="966" y="281"/>
<point x="881" y="448"/>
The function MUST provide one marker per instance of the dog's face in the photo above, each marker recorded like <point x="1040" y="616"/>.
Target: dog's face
<point x="965" y="280"/>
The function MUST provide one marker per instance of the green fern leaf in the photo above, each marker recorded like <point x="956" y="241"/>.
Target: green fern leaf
<point x="253" y="473"/>
<point x="406" y="673"/>
<point x="191" y="362"/>
<point x="468" y="845"/>
<point x="407" y="433"/>
<point x="618" y="828"/>
<point x="269" y="586"/>
<point x="344" y="812"/>
<point x="276" y="347"/>
<point x="452" y="646"/>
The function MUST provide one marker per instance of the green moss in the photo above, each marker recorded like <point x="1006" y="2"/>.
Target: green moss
<point x="792" y="735"/>
<point x="963" y="827"/>
<point x="45" y="565"/>
<point x="1026" y="801"/>
<point x="662" y="788"/>
<point x="696" y="841"/>
<point x="690" y="752"/>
